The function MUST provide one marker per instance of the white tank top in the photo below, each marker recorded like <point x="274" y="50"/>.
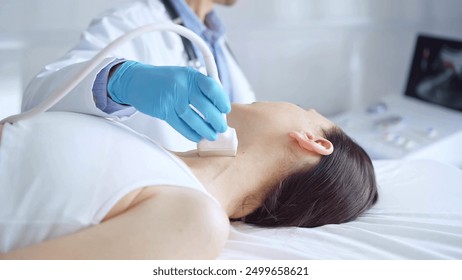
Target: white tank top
<point x="62" y="172"/>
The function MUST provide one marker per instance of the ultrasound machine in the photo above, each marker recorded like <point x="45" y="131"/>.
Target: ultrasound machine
<point x="425" y="121"/>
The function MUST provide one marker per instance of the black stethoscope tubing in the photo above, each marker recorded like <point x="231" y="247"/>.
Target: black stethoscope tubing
<point x="188" y="47"/>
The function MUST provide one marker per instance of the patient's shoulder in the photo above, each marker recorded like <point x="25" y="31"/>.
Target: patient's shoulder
<point x="185" y="215"/>
<point x="179" y="196"/>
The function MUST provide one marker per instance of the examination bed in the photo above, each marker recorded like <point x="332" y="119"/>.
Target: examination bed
<point x="418" y="216"/>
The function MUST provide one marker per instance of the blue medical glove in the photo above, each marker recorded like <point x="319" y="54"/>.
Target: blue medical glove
<point x="166" y="92"/>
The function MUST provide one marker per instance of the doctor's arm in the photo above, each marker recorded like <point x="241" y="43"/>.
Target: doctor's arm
<point x="176" y="223"/>
<point x="81" y="99"/>
<point x="98" y="35"/>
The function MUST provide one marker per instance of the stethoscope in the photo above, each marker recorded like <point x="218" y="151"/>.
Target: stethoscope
<point x="193" y="60"/>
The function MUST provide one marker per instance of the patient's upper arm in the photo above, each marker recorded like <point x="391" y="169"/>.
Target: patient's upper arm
<point x="176" y="223"/>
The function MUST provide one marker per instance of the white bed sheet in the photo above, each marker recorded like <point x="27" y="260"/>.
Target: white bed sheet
<point x="418" y="216"/>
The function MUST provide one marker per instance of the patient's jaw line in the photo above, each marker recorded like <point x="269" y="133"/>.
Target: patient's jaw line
<point x="266" y="154"/>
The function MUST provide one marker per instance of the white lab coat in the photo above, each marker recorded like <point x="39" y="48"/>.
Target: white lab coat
<point x="157" y="48"/>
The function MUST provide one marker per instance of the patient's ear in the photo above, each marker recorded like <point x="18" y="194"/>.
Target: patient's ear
<point x="308" y="141"/>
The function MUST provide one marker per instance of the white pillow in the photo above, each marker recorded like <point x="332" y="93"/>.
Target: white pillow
<point x="418" y="216"/>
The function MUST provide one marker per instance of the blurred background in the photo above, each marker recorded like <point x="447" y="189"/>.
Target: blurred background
<point x="332" y="55"/>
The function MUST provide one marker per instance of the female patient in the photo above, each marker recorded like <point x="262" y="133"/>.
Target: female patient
<point x="121" y="196"/>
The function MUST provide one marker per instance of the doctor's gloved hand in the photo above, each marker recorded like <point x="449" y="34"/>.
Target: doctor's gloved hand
<point x="166" y="92"/>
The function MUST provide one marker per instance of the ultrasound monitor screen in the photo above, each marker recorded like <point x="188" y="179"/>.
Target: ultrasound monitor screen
<point x="436" y="72"/>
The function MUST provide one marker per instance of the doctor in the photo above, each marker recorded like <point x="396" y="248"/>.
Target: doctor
<point x="145" y="82"/>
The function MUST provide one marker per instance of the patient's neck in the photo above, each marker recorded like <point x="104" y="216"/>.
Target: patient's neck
<point x="232" y="179"/>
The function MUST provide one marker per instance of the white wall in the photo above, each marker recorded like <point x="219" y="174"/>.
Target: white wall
<point x="326" y="54"/>
<point x="34" y="33"/>
<point x="333" y="54"/>
<point x="46" y="28"/>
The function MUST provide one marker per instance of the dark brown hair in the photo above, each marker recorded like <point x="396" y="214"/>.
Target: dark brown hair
<point x="336" y="190"/>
